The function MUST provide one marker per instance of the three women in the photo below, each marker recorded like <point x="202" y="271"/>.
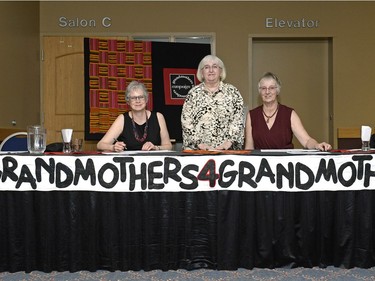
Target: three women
<point x="212" y="118"/>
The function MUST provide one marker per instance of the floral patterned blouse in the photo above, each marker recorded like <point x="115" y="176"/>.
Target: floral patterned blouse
<point x="213" y="118"/>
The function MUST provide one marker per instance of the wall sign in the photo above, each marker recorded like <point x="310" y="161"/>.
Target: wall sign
<point x="177" y="84"/>
<point x="82" y="22"/>
<point x="291" y="23"/>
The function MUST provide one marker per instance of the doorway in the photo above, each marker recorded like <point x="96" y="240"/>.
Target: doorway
<point x="305" y="70"/>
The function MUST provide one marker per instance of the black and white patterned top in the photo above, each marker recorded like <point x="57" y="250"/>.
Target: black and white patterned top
<point x="213" y="119"/>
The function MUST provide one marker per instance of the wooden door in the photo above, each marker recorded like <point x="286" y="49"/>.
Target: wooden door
<point x="63" y="88"/>
<point x="303" y="66"/>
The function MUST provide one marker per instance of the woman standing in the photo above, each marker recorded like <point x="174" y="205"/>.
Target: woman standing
<point x="212" y="115"/>
<point x="138" y="129"/>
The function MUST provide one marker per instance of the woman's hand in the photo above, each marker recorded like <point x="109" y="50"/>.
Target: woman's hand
<point x="203" y="146"/>
<point x="323" y="146"/>
<point x="149" y="146"/>
<point x="225" y="146"/>
<point x="119" y="146"/>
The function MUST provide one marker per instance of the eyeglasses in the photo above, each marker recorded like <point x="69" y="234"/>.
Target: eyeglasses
<point x="137" y="98"/>
<point x="209" y="67"/>
<point x="270" y="88"/>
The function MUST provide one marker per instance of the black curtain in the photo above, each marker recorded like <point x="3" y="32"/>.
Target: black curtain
<point x="173" y="55"/>
<point x="73" y="231"/>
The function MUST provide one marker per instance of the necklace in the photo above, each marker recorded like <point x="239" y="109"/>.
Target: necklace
<point x="212" y="90"/>
<point x="269" y="117"/>
<point x="136" y="133"/>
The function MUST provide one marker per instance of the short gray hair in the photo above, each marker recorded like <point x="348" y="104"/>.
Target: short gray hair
<point x="135" y="85"/>
<point x="270" y="75"/>
<point x="216" y="60"/>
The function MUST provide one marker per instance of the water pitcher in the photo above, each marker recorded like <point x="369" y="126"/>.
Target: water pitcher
<point x="36" y="139"/>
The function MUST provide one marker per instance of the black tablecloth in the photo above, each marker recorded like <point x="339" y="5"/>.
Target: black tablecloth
<point x="72" y="231"/>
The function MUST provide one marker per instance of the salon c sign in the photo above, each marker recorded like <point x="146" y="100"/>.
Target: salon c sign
<point x="82" y="22"/>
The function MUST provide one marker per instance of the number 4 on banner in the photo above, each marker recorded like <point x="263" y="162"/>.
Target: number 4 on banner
<point x="208" y="173"/>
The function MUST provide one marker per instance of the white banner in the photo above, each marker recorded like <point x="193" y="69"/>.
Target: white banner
<point x="155" y="173"/>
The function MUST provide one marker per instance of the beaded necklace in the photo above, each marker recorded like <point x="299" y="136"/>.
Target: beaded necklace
<point x="269" y="117"/>
<point x="144" y="132"/>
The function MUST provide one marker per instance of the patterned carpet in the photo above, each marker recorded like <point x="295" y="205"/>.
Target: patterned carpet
<point x="279" y="274"/>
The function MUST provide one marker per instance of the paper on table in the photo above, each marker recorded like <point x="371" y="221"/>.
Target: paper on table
<point x="67" y="134"/>
<point x="365" y="133"/>
<point x="136" y="151"/>
<point x="289" y="150"/>
<point x="308" y="151"/>
<point x="12" y="152"/>
<point x="295" y="151"/>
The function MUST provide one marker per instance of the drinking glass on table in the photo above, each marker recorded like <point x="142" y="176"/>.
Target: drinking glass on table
<point x="77" y="145"/>
<point x="67" y="138"/>
<point x="365" y="137"/>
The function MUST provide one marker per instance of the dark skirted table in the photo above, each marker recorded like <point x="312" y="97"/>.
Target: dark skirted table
<point x="59" y="230"/>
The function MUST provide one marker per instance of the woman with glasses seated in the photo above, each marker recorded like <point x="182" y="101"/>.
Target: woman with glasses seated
<point x="272" y="125"/>
<point x="139" y="128"/>
<point x="212" y="115"/>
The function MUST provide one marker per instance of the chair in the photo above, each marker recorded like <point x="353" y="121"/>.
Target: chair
<point x="348" y="138"/>
<point x="15" y="142"/>
<point x="372" y="141"/>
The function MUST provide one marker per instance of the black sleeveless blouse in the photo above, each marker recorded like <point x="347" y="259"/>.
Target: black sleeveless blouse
<point x="153" y="132"/>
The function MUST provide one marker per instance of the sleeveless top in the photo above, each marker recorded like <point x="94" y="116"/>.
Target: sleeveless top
<point x="279" y="136"/>
<point x="128" y="137"/>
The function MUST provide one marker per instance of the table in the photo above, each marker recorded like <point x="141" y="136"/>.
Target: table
<point x="59" y="230"/>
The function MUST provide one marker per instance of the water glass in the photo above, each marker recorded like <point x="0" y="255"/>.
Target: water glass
<point x="365" y="137"/>
<point x="365" y="145"/>
<point x="36" y="139"/>
<point x="67" y="138"/>
<point x="67" y="148"/>
<point x="77" y="145"/>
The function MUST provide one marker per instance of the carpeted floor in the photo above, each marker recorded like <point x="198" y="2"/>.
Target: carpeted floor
<point x="279" y="274"/>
